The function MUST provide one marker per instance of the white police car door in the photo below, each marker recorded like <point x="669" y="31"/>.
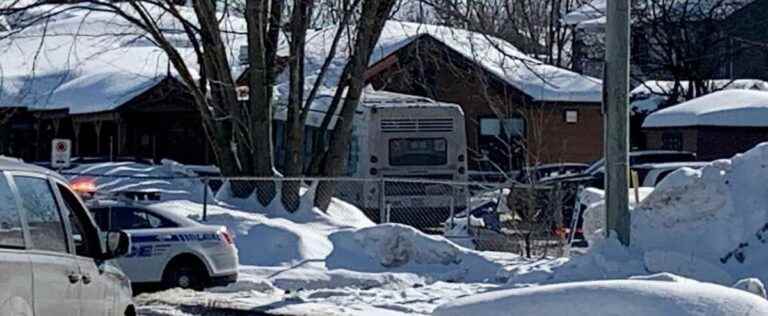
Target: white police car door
<point x="56" y="275"/>
<point x="150" y="243"/>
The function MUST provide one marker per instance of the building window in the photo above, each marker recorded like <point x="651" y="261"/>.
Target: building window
<point x="672" y="140"/>
<point x="510" y="127"/>
<point x="572" y="116"/>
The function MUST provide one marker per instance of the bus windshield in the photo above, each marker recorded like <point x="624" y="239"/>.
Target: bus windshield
<point x="418" y="152"/>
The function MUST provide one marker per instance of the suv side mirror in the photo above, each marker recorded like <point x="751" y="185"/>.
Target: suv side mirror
<point x="118" y="244"/>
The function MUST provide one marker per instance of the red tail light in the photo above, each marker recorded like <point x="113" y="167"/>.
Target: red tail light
<point x="227" y="236"/>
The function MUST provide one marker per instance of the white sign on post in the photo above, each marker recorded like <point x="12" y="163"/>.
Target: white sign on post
<point x="61" y="153"/>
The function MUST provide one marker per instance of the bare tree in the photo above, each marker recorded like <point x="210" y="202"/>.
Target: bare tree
<point x="682" y="40"/>
<point x="374" y="14"/>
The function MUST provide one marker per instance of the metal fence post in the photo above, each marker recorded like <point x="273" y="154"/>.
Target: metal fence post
<point x="205" y="199"/>
<point x="382" y="201"/>
<point x="469" y="211"/>
<point x="453" y="204"/>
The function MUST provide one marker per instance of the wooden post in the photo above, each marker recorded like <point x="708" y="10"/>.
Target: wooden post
<point x="97" y="127"/>
<point x="616" y="103"/>
<point x="76" y="129"/>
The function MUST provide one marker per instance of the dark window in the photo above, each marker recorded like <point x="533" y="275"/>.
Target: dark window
<point x="101" y="216"/>
<point x="46" y="227"/>
<point x="499" y="143"/>
<point x="672" y="140"/>
<point x="11" y="232"/>
<point x="86" y="239"/>
<point x="133" y="218"/>
<point x="418" y="151"/>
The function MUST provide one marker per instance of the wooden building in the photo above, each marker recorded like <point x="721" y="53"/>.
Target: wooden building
<point x="161" y="122"/>
<point x="714" y="126"/>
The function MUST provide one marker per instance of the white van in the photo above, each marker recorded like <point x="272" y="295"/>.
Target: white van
<point x="52" y="258"/>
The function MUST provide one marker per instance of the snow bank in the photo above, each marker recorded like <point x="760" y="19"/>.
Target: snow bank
<point x="710" y="224"/>
<point x="615" y="297"/>
<point x="594" y="215"/>
<point x="716" y="215"/>
<point x="400" y="248"/>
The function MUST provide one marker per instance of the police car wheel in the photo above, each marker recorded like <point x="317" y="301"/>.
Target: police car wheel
<point x="186" y="277"/>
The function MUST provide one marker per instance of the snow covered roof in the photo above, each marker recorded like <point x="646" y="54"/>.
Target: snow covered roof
<point x="589" y="11"/>
<point x="745" y="108"/>
<point x="540" y="81"/>
<point x="88" y="61"/>
<point x="370" y="99"/>
<point x="663" y="87"/>
<point x="649" y="95"/>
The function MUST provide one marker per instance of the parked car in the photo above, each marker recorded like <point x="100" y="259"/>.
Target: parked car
<point x="535" y="174"/>
<point x="594" y="175"/>
<point x="651" y="174"/>
<point x="53" y="259"/>
<point x="169" y="250"/>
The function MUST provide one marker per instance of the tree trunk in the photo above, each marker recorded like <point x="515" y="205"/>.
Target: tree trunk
<point x="294" y="131"/>
<point x="262" y="18"/>
<point x="374" y="16"/>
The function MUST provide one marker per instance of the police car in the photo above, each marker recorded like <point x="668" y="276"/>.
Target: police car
<point x="167" y="249"/>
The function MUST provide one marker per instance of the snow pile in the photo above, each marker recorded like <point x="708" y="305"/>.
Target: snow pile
<point x="340" y="248"/>
<point x="751" y="285"/>
<point x="744" y="108"/>
<point x="594" y="215"/>
<point x="715" y="218"/>
<point x="400" y="248"/>
<point x="710" y="224"/>
<point x="666" y="296"/>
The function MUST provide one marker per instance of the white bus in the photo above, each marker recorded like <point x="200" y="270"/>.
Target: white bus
<point x="398" y="137"/>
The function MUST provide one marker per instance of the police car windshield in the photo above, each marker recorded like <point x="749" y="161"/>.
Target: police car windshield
<point x="118" y="218"/>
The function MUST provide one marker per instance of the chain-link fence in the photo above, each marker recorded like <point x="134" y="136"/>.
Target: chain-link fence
<point x="524" y="219"/>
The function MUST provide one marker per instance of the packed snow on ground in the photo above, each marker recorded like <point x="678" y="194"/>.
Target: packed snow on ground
<point x="707" y="224"/>
<point x="667" y="296"/>
<point x="338" y="262"/>
<point x="710" y="224"/>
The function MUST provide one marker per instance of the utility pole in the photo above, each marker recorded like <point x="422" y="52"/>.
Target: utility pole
<point x="616" y="105"/>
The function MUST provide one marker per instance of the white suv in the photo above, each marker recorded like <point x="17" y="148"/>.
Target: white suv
<point x="52" y="258"/>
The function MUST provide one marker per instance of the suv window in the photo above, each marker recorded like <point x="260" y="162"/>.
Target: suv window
<point x="46" y="228"/>
<point x="11" y="232"/>
<point x="86" y="240"/>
